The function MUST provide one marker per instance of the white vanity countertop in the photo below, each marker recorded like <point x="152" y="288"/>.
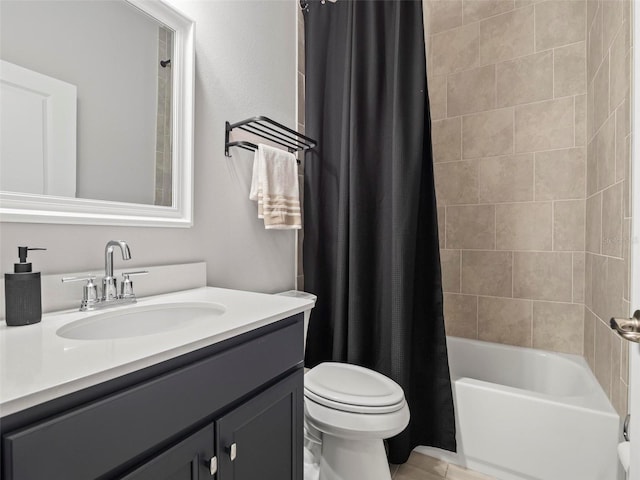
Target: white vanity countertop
<point x="36" y="365"/>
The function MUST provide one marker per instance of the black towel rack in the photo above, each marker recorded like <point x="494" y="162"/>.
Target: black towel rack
<point x="270" y="130"/>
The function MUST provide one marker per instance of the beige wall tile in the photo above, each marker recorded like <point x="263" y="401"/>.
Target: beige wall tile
<point x="542" y="276"/>
<point x="608" y="284"/>
<point x="593" y="237"/>
<point x="523" y="226"/>
<point x="601" y="94"/>
<point x="487" y="273"/>
<point x="461" y="315"/>
<point x="592" y="167"/>
<point x="623" y="150"/>
<point x="626" y="191"/>
<point x="570" y="70"/>
<point x="614" y="304"/>
<point x="558" y="327"/>
<point x="592" y="5"/>
<point x="450" y="262"/>
<point x="626" y="256"/>
<point x="611" y="20"/>
<point x="560" y="174"/>
<point x="595" y="50"/>
<point x="589" y="338"/>
<point x="504" y="320"/>
<point x="463" y="190"/>
<point x="505" y="179"/>
<point x="545" y="125"/>
<point x="569" y="225"/>
<point x="455" y="50"/>
<point x="446" y="139"/>
<point x="441" y="225"/>
<point x="471" y="227"/>
<point x="588" y="297"/>
<point x="591" y="124"/>
<point x="507" y="36"/>
<point x="620" y="67"/>
<point x="525" y="79"/>
<point x="605" y="151"/>
<point x="438" y="97"/>
<point x="612" y="221"/>
<point x="624" y="158"/>
<point x="578" y="276"/>
<point x="474" y="10"/>
<point x="559" y="22"/>
<point x="526" y="3"/>
<point x="599" y="286"/>
<point x="487" y="134"/>
<point x="603" y="356"/>
<point x="471" y="91"/>
<point x="444" y="15"/>
<point x="580" y="107"/>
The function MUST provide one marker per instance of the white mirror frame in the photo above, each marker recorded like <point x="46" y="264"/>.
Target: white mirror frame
<point x="30" y="208"/>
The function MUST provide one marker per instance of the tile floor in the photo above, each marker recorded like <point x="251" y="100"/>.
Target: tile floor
<point x="422" y="467"/>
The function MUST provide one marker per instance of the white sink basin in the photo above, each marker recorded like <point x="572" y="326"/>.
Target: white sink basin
<point x="138" y="321"/>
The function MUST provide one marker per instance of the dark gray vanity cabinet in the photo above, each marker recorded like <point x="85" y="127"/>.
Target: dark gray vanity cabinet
<point x="261" y="438"/>
<point x="234" y="409"/>
<point x="187" y="460"/>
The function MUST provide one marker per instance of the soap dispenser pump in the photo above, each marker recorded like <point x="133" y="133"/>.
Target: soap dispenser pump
<point x="22" y="292"/>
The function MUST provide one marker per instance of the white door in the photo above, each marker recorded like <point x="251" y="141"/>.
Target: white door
<point x="38" y="131"/>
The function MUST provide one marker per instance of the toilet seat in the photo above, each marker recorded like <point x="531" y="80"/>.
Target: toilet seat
<point x="353" y="425"/>
<point x="350" y="388"/>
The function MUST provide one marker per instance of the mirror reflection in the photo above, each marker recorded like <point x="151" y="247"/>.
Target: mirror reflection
<point x="88" y="118"/>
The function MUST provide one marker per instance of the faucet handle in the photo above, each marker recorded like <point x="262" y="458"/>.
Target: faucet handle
<point x="89" y="290"/>
<point x="126" y="287"/>
<point x="138" y="272"/>
<point x="89" y="278"/>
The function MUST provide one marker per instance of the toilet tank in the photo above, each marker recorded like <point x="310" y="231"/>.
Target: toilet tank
<point x="307" y="313"/>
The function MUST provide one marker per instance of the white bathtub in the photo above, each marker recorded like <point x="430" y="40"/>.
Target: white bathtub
<point x="525" y="414"/>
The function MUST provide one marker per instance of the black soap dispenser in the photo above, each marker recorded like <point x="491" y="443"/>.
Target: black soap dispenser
<point x="22" y="292"/>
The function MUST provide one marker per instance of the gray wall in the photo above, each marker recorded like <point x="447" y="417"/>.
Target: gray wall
<point x="109" y="51"/>
<point x="245" y="66"/>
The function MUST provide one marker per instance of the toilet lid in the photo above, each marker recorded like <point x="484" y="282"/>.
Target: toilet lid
<point x="352" y="388"/>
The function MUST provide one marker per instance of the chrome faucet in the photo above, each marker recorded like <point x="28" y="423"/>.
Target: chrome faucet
<point x="109" y="283"/>
<point x="109" y="297"/>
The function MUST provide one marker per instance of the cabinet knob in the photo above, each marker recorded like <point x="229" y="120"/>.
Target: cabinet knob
<point x="213" y="466"/>
<point x="233" y="451"/>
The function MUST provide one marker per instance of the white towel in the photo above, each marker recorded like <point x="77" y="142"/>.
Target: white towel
<point x="274" y="186"/>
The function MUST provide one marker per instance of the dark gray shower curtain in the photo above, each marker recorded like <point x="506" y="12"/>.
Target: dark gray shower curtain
<point x="371" y="238"/>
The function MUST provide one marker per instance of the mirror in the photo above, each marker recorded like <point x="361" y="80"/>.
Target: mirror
<point x="97" y="112"/>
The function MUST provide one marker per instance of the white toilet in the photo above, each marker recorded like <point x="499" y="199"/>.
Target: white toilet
<point x="350" y="410"/>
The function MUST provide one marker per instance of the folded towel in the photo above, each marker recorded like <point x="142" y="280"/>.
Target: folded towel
<point x="274" y="186"/>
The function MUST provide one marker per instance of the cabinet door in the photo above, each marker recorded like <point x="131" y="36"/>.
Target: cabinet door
<point x="262" y="438"/>
<point x="187" y="460"/>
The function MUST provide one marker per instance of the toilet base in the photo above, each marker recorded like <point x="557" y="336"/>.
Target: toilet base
<point x="345" y="459"/>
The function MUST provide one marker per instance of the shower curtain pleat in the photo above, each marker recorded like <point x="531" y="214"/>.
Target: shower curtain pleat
<point x="371" y="249"/>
